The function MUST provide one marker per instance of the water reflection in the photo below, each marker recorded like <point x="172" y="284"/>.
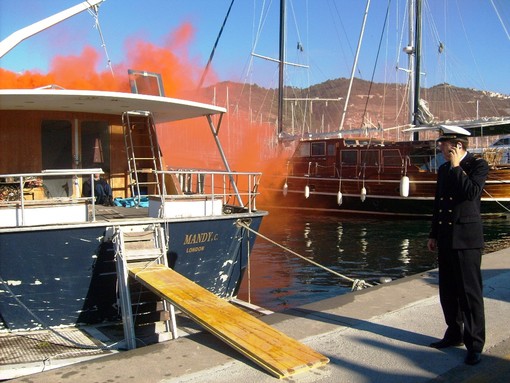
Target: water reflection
<point x="368" y="249"/>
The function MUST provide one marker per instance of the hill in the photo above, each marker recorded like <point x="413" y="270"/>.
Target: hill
<point x="319" y="108"/>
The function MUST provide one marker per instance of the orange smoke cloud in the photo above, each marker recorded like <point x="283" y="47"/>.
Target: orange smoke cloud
<point x="172" y="61"/>
<point x="249" y="146"/>
<point x="77" y="72"/>
<point x="69" y="72"/>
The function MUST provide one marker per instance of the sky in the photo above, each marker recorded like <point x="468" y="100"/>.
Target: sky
<point x="321" y="35"/>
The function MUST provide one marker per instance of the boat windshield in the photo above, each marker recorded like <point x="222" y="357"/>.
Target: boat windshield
<point x="429" y="160"/>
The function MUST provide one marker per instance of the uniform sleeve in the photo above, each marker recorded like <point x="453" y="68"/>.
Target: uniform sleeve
<point x="470" y="186"/>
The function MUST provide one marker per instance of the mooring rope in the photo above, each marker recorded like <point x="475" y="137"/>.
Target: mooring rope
<point x="499" y="203"/>
<point x="357" y="284"/>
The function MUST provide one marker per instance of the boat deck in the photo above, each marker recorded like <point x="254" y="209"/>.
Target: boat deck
<point x="113" y="213"/>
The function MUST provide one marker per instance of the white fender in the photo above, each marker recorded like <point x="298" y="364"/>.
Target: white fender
<point x="404" y="186"/>
<point x="363" y="195"/>
<point x="285" y="189"/>
<point x="307" y="191"/>
<point x="339" y="198"/>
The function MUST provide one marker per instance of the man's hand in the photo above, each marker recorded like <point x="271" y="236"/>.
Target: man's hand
<point x="455" y="155"/>
<point x="432" y="244"/>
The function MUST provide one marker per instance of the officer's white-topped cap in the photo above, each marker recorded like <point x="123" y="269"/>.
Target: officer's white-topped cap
<point x="451" y="132"/>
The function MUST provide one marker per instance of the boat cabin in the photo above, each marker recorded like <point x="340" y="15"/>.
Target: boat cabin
<point x="55" y="140"/>
<point x="333" y="157"/>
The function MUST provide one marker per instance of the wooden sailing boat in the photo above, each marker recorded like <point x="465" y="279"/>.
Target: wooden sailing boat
<point x="364" y="175"/>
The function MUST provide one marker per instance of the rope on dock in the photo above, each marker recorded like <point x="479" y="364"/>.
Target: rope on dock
<point x="357" y="284"/>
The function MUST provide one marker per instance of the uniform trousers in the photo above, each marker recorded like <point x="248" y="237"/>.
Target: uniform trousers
<point x="461" y="296"/>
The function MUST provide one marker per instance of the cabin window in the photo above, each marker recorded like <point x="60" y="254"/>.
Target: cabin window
<point x="432" y="164"/>
<point x="331" y="149"/>
<point x="392" y="157"/>
<point x="57" y="153"/>
<point x="370" y="157"/>
<point x="349" y="157"/>
<point x="501" y="142"/>
<point x="426" y="159"/>
<point x="318" y="148"/>
<point x="95" y="145"/>
<point x="57" y="147"/>
<point x="303" y="150"/>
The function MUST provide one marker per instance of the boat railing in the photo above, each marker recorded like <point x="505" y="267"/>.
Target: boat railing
<point x="21" y="190"/>
<point x="235" y="189"/>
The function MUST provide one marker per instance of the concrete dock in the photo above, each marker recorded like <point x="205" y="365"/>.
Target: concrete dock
<point x="380" y="334"/>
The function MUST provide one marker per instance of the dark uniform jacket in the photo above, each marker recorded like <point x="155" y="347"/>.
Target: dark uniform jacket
<point x="456" y="221"/>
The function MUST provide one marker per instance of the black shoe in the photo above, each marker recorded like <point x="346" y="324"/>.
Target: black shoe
<point x="473" y="358"/>
<point x="445" y="343"/>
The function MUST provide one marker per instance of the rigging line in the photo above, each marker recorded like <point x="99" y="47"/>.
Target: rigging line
<point x="500" y="19"/>
<point x="354" y="65"/>
<point x="262" y="20"/>
<point x="400" y="31"/>
<point x="371" y="83"/>
<point x="255" y="36"/>
<point x="345" y="35"/>
<point x="357" y="283"/>
<point x="95" y="13"/>
<point x="386" y="87"/>
<point x="215" y="45"/>
<point x="431" y="22"/>
<point x="470" y="48"/>
<point x="499" y="203"/>
<point x="295" y="21"/>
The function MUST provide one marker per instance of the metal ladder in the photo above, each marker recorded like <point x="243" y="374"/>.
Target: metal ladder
<point x="141" y="245"/>
<point x="143" y="153"/>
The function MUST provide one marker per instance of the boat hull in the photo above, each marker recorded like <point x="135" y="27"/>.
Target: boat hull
<point x="382" y="197"/>
<point x="66" y="276"/>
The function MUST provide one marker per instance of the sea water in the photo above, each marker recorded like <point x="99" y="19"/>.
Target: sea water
<point x="374" y="250"/>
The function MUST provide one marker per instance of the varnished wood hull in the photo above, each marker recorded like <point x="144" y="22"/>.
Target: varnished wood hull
<point x="382" y="195"/>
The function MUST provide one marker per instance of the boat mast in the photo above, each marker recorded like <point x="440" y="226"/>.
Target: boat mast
<point x="281" y="67"/>
<point x="417" y="67"/>
<point x="413" y="51"/>
<point x="409" y="50"/>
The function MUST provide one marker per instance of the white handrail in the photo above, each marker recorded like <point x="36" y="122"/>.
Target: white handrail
<point x="211" y="190"/>
<point x="21" y="178"/>
<point x="55" y="172"/>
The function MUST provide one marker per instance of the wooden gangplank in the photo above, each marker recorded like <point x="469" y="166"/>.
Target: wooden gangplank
<point x="274" y="351"/>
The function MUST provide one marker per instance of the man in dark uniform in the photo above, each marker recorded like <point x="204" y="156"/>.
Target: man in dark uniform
<point x="457" y="235"/>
